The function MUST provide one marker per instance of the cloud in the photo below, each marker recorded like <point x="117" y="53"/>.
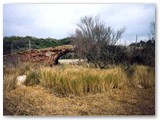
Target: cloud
<point x="59" y="20"/>
<point x="135" y="17"/>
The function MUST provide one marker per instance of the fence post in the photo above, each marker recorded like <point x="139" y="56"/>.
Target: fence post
<point x="29" y="44"/>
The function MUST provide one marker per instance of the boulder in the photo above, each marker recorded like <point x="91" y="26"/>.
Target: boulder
<point x="21" y="80"/>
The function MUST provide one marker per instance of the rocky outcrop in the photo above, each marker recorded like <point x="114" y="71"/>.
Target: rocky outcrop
<point x="47" y="55"/>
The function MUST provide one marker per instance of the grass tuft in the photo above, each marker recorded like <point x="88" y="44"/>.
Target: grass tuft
<point x="80" y="81"/>
<point x="32" y="78"/>
<point x="77" y="80"/>
<point x="144" y="76"/>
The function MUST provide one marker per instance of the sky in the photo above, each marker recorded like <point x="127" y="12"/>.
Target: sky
<point x="60" y="20"/>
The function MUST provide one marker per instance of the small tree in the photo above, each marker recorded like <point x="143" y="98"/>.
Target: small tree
<point x="152" y="30"/>
<point x="91" y="39"/>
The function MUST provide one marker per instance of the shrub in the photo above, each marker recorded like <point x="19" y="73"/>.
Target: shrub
<point x="32" y="78"/>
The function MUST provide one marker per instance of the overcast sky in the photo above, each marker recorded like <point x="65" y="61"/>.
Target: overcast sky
<point x="59" y="20"/>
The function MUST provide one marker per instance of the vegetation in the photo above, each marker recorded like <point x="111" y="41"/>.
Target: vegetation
<point x="78" y="90"/>
<point x="153" y="30"/>
<point x="38" y="101"/>
<point x="91" y="39"/>
<point x="143" y="53"/>
<point x="125" y="85"/>
<point x="97" y="44"/>
<point x="16" y="43"/>
<point x="79" y="80"/>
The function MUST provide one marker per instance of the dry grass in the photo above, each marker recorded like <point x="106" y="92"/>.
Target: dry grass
<point x="76" y="90"/>
<point x="10" y="72"/>
<point x="79" y="80"/>
<point x="144" y="76"/>
<point x="37" y="101"/>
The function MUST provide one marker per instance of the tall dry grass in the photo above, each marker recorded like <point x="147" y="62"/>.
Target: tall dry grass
<point x="10" y="73"/>
<point x="144" y="76"/>
<point x="78" y="80"/>
<point x="71" y="80"/>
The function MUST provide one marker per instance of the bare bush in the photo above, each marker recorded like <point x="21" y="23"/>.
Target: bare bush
<point x="152" y="30"/>
<point x="91" y="39"/>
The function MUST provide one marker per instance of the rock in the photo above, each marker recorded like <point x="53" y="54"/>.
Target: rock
<point x="21" y="80"/>
<point x="140" y="86"/>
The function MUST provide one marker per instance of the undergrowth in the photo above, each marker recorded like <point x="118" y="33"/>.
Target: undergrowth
<point x="77" y="80"/>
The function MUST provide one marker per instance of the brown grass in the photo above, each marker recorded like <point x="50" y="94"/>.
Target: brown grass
<point x="80" y="81"/>
<point x="37" y="101"/>
<point x="76" y="90"/>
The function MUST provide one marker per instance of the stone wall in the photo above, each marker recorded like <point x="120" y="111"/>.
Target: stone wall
<point x="47" y="55"/>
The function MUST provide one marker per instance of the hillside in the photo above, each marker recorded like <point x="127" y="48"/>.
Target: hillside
<point x="16" y="43"/>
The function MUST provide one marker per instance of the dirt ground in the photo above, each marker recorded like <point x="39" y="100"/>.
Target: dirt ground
<point x="40" y="102"/>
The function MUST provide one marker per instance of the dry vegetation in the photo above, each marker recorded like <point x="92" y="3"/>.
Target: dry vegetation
<point x="78" y="90"/>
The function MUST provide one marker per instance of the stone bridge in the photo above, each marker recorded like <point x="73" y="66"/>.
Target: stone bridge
<point x="47" y="55"/>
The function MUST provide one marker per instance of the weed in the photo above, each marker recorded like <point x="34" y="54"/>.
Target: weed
<point x="32" y="78"/>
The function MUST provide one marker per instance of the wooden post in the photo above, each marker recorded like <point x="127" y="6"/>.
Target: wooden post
<point x="29" y="44"/>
